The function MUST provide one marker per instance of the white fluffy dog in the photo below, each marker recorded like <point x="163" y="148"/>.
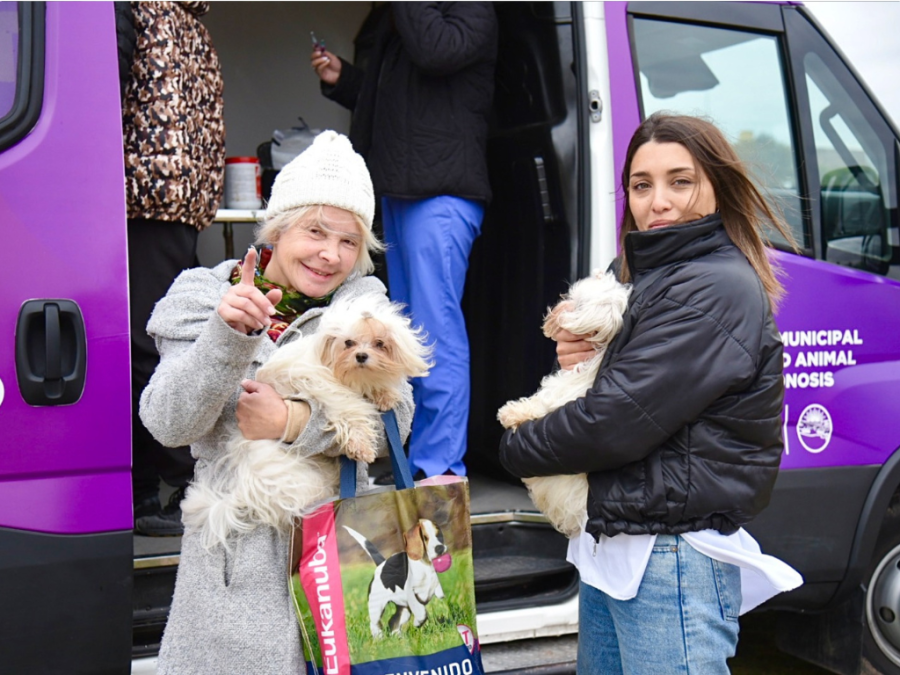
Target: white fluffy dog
<point x="594" y="307"/>
<point x="353" y="367"/>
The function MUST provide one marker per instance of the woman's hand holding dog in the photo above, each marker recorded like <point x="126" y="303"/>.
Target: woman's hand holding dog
<point x="262" y="414"/>
<point x="572" y="349"/>
<point x="244" y="307"/>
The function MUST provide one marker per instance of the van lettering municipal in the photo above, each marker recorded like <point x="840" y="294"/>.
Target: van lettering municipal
<point x="820" y="338"/>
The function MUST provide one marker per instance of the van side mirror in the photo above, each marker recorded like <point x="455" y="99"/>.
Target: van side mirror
<point x="666" y="79"/>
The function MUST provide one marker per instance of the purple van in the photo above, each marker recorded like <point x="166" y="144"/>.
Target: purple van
<point x="80" y="594"/>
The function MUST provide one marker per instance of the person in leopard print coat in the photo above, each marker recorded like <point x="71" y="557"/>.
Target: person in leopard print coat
<point x="174" y="149"/>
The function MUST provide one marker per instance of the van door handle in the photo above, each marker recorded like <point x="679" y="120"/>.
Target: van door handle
<point x="51" y="355"/>
<point x="543" y="189"/>
<point x="595" y="105"/>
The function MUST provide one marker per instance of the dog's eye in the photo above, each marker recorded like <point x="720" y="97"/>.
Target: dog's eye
<point x="349" y="343"/>
<point x="379" y="344"/>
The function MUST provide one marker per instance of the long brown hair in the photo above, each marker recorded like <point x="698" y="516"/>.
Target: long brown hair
<point x="745" y="212"/>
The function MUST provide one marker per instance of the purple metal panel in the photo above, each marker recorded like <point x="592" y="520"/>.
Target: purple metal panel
<point x="66" y="504"/>
<point x="840" y="329"/>
<point x="622" y="88"/>
<point x="66" y="469"/>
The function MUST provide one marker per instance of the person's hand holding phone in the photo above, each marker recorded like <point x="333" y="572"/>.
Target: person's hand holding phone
<point x="326" y="64"/>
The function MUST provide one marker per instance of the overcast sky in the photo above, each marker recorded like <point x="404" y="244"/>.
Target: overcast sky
<point x="869" y="35"/>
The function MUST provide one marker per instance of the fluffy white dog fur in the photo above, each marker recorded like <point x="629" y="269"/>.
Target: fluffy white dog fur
<point x="353" y="367"/>
<point x="594" y="307"/>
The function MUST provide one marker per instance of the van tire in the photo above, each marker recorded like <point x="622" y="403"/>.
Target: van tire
<point x="881" y="618"/>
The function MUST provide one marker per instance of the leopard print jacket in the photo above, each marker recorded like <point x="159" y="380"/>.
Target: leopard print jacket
<point x="172" y="117"/>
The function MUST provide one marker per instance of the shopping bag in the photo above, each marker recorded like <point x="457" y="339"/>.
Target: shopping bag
<point x="384" y="582"/>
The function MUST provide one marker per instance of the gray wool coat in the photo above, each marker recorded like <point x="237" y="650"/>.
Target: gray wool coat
<point x="232" y="612"/>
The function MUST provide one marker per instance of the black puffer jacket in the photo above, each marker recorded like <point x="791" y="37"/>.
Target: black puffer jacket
<point x="421" y="105"/>
<point x="682" y="429"/>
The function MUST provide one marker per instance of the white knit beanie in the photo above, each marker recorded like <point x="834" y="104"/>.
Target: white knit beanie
<point x="328" y="172"/>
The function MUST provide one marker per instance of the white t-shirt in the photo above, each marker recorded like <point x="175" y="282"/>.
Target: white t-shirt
<point x="616" y="565"/>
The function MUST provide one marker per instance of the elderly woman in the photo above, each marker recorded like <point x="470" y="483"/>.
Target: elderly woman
<point x="232" y="612"/>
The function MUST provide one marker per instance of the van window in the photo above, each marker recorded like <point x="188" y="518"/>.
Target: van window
<point x="9" y="52"/>
<point x="736" y="79"/>
<point x="21" y="68"/>
<point x="853" y="174"/>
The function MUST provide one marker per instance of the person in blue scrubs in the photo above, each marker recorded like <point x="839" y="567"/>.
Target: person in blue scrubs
<point x="420" y="119"/>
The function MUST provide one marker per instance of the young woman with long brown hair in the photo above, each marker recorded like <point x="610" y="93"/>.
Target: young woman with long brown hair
<point x="681" y="432"/>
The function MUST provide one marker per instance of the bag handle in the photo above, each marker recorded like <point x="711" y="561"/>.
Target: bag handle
<point x="399" y="463"/>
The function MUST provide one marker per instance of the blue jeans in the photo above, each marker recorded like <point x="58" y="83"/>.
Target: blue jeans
<point x="428" y="245"/>
<point x="684" y="618"/>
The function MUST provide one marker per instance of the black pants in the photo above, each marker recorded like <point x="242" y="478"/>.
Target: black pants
<point x="158" y="251"/>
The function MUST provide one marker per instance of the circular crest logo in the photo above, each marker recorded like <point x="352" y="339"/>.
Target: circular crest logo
<point x="814" y="428"/>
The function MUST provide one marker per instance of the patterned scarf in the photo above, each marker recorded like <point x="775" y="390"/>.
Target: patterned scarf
<point x="293" y="303"/>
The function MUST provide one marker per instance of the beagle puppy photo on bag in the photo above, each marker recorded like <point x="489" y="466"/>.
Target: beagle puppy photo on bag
<point x="408" y="578"/>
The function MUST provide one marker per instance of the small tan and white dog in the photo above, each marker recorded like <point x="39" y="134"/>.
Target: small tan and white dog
<point x="353" y="367"/>
<point x="594" y="306"/>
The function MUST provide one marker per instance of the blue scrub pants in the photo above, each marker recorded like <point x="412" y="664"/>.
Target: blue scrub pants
<point x="428" y="245"/>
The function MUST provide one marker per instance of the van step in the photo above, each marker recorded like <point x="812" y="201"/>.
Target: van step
<point x="520" y="564"/>
<point x="496" y="571"/>
<point x="536" y="656"/>
<point x="154" y="584"/>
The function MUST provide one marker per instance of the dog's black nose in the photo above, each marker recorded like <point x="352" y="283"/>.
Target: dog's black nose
<point x="439" y="549"/>
<point x="362" y="357"/>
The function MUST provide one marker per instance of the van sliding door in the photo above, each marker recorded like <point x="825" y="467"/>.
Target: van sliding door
<point x="65" y="485"/>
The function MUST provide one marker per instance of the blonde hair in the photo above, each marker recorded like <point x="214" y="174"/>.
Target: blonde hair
<point x="269" y="231"/>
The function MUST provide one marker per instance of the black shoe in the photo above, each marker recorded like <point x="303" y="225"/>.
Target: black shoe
<point x="166" y="522"/>
<point x="146" y="506"/>
<point x="173" y="506"/>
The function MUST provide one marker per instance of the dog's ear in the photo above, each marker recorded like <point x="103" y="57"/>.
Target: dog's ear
<point x="326" y="351"/>
<point x="415" y="546"/>
<point x="551" y="321"/>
